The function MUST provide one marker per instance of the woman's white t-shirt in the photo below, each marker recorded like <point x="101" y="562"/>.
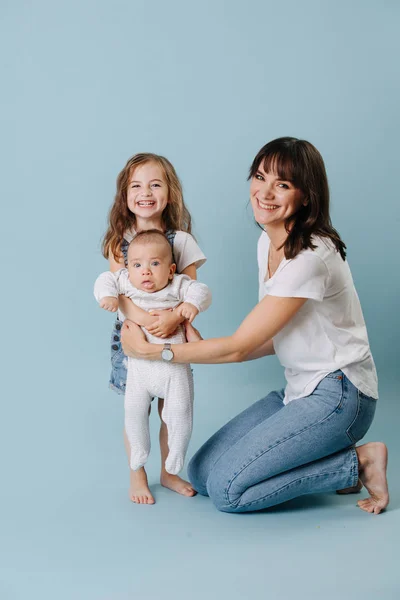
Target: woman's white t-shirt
<point x="328" y="333"/>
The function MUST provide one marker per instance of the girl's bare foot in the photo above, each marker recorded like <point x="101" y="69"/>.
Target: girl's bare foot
<point x="176" y="484"/>
<point x="351" y="490"/>
<point x="139" y="491"/>
<point x="372" y="465"/>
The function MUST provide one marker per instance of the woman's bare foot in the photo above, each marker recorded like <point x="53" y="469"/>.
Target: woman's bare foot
<point x="176" y="484"/>
<point x="372" y="465"/>
<point x="139" y="491"/>
<point x="352" y="490"/>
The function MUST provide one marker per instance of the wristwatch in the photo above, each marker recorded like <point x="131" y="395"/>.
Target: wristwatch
<point x="166" y="352"/>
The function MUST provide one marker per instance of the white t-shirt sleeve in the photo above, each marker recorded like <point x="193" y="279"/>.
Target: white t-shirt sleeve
<point x="305" y="276"/>
<point x="194" y="292"/>
<point x="106" y="285"/>
<point x="187" y="252"/>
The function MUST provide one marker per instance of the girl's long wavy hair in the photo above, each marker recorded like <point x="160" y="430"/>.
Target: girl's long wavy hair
<point x="175" y="215"/>
<point x="300" y="162"/>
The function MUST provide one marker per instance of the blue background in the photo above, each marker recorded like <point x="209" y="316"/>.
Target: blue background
<point x="84" y="86"/>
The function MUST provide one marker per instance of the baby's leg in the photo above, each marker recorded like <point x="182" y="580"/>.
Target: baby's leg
<point x="137" y="404"/>
<point x="178" y="416"/>
<point x="139" y="491"/>
<point x="172" y="482"/>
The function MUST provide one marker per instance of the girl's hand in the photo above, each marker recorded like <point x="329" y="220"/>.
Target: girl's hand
<point x="133" y="340"/>
<point x="109" y="303"/>
<point x="166" y="323"/>
<point x="187" y="310"/>
<point x="192" y="334"/>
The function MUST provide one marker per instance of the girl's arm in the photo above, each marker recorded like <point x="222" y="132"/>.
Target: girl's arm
<point x="258" y="328"/>
<point x="190" y="271"/>
<point x="126" y="306"/>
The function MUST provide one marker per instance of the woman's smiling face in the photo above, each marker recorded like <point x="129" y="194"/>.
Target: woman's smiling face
<point x="274" y="200"/>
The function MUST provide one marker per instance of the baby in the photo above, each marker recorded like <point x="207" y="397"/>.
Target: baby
<point x="151" y="283"/>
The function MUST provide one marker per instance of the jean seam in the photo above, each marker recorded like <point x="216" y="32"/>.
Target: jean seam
<point x="354" y="466"/>
<point x="278" y="444"/>
<point x="351" y="438"/>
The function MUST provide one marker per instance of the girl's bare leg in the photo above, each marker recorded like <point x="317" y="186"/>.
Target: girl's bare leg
<point x="172" y="482"/>
<point x="139" y="491"/>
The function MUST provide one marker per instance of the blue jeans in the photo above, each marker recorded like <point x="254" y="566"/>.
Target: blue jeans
<point x="118" y="361"/>
<point x="271" y="452"/>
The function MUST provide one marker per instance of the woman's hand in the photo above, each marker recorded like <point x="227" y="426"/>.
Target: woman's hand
<point x="192" y="334"/>
<point x="133" y="340"/>
<point x="166" y="323"/>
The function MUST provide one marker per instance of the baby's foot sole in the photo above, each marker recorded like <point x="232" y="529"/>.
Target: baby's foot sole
<point x="177" y="484"/>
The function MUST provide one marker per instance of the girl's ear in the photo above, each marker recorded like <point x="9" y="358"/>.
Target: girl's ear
<point x="172" y="271"/>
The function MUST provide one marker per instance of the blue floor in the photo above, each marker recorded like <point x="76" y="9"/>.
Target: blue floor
<point x="69" y="531"/>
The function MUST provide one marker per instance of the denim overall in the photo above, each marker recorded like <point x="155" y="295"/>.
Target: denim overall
<point x="118" y="358"/>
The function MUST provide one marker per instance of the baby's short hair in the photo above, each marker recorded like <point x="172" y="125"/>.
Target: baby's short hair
<point x="153" y="236"/>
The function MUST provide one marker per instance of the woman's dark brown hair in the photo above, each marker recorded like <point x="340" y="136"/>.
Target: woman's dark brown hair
<point x="300" y="163"/>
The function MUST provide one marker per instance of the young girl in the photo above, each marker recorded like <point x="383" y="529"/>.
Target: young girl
<point x="149" y="196"/>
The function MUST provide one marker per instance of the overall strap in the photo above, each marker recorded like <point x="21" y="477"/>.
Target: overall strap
<point x="170" y="235"/>
<point x="124" y="250"/>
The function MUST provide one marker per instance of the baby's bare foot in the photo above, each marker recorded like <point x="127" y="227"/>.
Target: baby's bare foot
<point x="139" y="491"/>
<point x="351" y="490"/>
<point x="176" y="484"/>
<point x="372" y="465"/>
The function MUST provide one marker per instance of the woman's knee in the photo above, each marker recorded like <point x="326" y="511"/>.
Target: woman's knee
<point x="197" y="474"/>
<point x="219" y="491"/>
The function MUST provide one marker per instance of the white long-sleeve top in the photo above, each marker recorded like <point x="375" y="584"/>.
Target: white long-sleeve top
<point x="181" y="289"/>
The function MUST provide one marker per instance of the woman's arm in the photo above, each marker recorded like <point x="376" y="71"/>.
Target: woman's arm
<point x="266" y="349"/>
<point x="259" y="327"/>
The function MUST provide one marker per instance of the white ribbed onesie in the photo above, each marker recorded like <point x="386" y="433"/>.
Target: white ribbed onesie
<point x="146" y="379"/>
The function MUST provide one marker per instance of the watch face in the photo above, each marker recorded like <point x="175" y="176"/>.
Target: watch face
<point x="167" y="354"/>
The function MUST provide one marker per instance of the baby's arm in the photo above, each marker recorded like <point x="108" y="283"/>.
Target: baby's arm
<point x="196" y="298"/>
<point x="128" y="307"/>
<point x="106" y="291"/>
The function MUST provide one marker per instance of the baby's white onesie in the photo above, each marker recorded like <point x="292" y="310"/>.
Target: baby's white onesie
<point x="146" y="378"/>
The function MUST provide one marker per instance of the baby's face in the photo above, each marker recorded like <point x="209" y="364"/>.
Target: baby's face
<point x="149" y="266"/>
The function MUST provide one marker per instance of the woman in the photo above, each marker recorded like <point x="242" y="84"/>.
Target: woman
<point x="302" y="439"/>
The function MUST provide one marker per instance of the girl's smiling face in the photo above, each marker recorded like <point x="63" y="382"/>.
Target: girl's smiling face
<point x="273" y="199"/>
<point x="147" y="194"/>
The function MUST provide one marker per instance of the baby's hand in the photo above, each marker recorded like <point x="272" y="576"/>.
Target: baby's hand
<point x="187" y="310"/>
<point x="166" y="323"/>
<point x="109" y="303"/>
